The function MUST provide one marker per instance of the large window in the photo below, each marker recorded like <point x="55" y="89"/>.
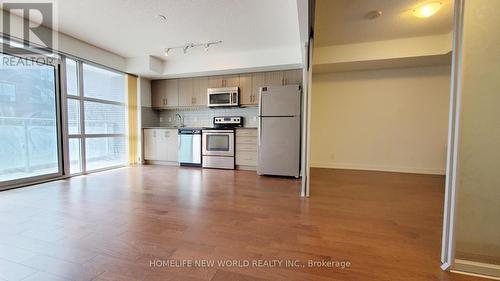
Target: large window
<point x="29" y="142"/>
<point x="97" y="117"/>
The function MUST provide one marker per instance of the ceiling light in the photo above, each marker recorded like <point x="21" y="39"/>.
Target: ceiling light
<point x="185" y="48"/>
<point x="428" y="9"/>
<point x="373" y="14"/>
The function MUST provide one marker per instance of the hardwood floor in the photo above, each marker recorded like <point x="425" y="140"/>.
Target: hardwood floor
<point x="128" y="224"/>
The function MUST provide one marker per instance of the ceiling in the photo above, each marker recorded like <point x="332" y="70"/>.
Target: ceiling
<point x="344" y="21"/>
<point x="131" y="28"/>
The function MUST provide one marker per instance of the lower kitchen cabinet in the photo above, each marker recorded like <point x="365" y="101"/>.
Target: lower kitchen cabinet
<point x="161" y="145"/>
<point x="246" y="149"/>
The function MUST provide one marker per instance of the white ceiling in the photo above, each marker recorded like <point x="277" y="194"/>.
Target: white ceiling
<point x="130" y="28"/>
<point x="343" y="21"/>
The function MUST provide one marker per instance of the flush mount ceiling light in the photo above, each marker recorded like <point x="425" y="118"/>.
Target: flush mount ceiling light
<point x="427" y="9"/>
<point x="373" y="14"/>
<point x="188" y="46"/>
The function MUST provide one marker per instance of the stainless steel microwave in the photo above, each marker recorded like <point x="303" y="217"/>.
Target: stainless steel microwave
<point x="223" y="97"/>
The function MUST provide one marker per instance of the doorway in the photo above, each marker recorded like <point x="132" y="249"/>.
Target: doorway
<point x="30" y="129"/>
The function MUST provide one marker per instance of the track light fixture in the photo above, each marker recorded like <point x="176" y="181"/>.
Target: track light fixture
<point x="188" y="46"/>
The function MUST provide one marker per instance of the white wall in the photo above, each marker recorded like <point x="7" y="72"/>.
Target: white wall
<point x="72" y="46"/>
<point x="389" y="120"/>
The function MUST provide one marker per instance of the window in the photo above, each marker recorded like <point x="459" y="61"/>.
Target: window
<point x="97" y="117"/>
<point x="29" y="142"/>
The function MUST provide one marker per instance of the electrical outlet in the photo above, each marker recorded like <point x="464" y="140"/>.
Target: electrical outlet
<point x="255" y="118"/>
<point x="161" y="119"/>
<point x="169" y="119"/>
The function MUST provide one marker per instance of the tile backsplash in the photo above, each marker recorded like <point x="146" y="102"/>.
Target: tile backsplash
<point x="203" y="117"/>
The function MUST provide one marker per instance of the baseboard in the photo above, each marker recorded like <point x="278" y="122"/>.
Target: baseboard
<point x="164" y="163"/>
<point x="485" y="270"/>
<point x="246" y="168"/>
<point x="378" y="168"/>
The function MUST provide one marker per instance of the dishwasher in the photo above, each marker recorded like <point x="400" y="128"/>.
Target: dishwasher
<point x="190" y="147"/>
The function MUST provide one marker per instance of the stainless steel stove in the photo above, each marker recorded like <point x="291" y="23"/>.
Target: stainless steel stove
<point x="218" y="142"/>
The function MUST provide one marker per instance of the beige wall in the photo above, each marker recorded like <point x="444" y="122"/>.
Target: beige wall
<point x="478" y="210"/>
<point x="389" y="120"/>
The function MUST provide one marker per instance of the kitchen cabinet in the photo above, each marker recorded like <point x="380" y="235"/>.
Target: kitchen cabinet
<point x="164" y="93"/>
<point x="224" y="81"/>
<point x="161" y="145"/>
<point x="158" y="91"/>
<point x="215" y="82"/>
<point x="292" y="77"/>
<point x="172" y="92"/>
<point x="258" y="81"/>
<point x="193" y="91"/>
<point x="186" y="92"/>
<point x="200" y="85"/>
<point x="149" y="136"/>
<point x="274" y="78"/>
<point x="246" y="93"/>
<point x="246" y="149"/>
<point x="231" y="81"/>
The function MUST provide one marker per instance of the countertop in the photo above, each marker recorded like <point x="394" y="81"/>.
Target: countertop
<point x="176" y="128"/>
<point x="171" y="127"/>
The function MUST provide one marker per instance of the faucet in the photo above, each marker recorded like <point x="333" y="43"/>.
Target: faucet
<point x="181" y="120"/>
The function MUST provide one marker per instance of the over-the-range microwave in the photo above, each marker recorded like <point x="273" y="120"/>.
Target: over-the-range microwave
<point x="223" y="97"/>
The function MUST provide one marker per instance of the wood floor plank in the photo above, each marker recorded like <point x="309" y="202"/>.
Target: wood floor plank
<point x="112" y="225"/>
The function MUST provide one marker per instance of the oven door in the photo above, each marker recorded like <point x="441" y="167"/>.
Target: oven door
<point x="218" y="143"/>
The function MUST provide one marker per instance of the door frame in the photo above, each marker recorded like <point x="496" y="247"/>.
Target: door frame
<point x="59" y="133"/>
<point x="449" y="213"/>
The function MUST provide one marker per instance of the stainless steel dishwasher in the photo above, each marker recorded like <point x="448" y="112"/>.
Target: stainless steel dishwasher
<point x="190" y="147"/>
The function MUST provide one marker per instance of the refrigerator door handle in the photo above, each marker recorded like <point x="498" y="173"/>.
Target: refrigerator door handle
<point x="259" y="133"/>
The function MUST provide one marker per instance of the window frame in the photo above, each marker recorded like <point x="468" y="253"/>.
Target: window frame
<point x="82" y="135"/>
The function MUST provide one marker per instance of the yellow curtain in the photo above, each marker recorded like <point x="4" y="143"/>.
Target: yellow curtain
<point x="132" y="118"/>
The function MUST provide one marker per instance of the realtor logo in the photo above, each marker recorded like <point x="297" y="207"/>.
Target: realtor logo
<point x="31" y="23"/>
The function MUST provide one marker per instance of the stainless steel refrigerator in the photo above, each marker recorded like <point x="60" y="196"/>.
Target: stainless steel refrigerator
<point x="279" y="131"/>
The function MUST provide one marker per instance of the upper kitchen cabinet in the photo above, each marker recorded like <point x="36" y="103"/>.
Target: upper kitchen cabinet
<point x="224" y="81"/>
<point x="158" y="91"/>
<point x="258" y="81"/>
<point x="215" y="81"/>
<point x="186" y="92"/>
<point x="231" y="81"/>
<point x="246" y="93"/>
<point x="172" y="94"/>
<point x="293" y="77"/>
<point x="274" y="78"/>
<point x="200" y="85"/>
<point x="164" y="93"/>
